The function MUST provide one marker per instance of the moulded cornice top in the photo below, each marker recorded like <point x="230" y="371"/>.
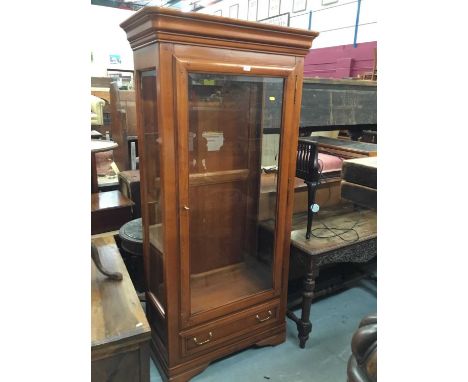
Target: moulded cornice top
<point x="154" y="24"/>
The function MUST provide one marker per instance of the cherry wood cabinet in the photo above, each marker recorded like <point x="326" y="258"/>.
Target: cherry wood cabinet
<point x="217" y="100"/>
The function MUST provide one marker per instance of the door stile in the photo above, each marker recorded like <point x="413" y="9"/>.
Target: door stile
<point x="294" y="79"/>
<point x="283" y="183"/>
<point x="181" y="75"/>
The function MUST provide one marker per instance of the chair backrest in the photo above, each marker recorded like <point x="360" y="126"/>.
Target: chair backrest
<point x="307" y="166"/>
<point x="97" y="106"/>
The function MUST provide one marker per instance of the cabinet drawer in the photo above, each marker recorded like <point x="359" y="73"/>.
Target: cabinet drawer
<point x="229" y="328"/>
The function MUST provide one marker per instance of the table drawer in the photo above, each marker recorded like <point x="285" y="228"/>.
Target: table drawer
<point x="219" y="332"/>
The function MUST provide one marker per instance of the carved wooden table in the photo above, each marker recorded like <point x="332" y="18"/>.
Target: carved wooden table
<point x="358" y="246"/>
<point x="96" y="147"/>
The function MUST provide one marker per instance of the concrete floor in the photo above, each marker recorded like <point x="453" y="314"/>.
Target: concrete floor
<point x="324" y="359"/>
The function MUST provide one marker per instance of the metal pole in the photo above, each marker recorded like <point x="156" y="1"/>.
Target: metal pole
<point x="357" y="22"/>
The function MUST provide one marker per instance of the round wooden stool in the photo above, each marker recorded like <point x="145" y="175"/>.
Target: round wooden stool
<point x="131" y="241"/>
<point x="131" y="234"/>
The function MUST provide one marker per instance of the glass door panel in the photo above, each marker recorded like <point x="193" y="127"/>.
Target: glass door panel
<point x="233" y="149"/>
<point x="152" y="152"/>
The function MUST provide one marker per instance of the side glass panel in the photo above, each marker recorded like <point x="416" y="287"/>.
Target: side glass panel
<point x="152" y="151"/>
<point x="233" y="141"/>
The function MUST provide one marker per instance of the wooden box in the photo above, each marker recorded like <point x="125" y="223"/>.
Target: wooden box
<point x="359" y="183"/>
<point x="109" y="211"/>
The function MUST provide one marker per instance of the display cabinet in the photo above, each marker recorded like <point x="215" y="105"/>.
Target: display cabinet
<point x="218" y="101"/>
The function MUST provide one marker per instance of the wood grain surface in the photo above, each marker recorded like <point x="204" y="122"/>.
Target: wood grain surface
<point x="117" y="318"/>
<point x="153" y="24"/>
<point x="108" y="200"/>
<point x="170" y="46"/>
<point x="99" y="145"/>
<point x="342" y="216"/>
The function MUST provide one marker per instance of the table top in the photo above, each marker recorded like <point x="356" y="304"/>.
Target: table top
<point x="342" y="216"/>
<point x="95" y="134"/>
<point x="345" y="144"/>
<point x="117" y="317"/>
<point x="99" y="145"/>
<point x="109" y="200"/>
<point x="364" y="162"/>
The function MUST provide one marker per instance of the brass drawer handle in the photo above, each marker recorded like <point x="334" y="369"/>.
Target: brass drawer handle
<point x="203" y="342"/>
<point x="264" y="319"/>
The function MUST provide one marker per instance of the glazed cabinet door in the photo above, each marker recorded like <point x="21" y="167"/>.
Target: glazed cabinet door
<point x="230" y="119"/>
<point x="152" y="191"/>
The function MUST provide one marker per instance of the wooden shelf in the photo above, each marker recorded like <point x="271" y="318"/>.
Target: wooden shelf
<point x="201" y="179"/>
<point x="224" y="285"/>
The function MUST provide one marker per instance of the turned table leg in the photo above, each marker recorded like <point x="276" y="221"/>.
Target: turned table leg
<point x="304" y="326"/>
